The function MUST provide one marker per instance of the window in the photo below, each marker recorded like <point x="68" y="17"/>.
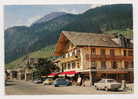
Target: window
<point x="78" y="65"/>
<point x="73" y="65"/>
<point x="125" y="54"/>
<point x="73" y="53"/>
<point x="102" y="52"/>
<point x="93" y="65"/>
<point x="110" y="81"/>
<point x="130" y="53"/>
<point x="78" y="51"/>
<point x="64" y="66"/>
<point x="114" y="65"/>
<point x="70" y="46"/>
<point x="68" y="65"/>
<point x="103" y="64"/>
<point x="132" y="64"/>
<point x="112" y="52"/>
<point x="63" y="56"/>
<point x="102" y="81"/>
<point x="126" y="65"/>
<point x="68" y="54"/>
<point x="93" y="51"/>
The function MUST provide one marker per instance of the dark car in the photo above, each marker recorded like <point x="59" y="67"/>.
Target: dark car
<point x="37" y="81"/>
<point x="61" y="82"/>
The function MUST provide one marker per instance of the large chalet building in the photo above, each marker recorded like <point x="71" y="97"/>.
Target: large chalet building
<point x="107" y="55"/>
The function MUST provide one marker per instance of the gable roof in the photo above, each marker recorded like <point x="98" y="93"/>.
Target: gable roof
<point x="86" y="39"/>
<point x="90" y="39"/>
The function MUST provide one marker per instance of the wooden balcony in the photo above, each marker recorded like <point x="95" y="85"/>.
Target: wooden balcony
<point x="68" y="59"/>
<point x="118" y="70"/>
<point x="108" y="57"/>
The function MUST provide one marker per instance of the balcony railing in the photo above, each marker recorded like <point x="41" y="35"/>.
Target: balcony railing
<point x="108" y="57"/>
<point x="117" y="69"/>
<point x="109" y="70"/>
<point x="71" y="58"/>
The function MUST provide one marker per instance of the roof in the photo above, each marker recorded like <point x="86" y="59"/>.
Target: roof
<point x="90" y="39"/>
<point x="86" y="39"/>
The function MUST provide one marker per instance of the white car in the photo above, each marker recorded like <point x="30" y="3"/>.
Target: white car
<point x="107" y="84"/>
<point x="48" y="81"/>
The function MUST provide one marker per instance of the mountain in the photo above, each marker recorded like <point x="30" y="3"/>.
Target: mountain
<point x="49" y="17"/>
<point x="22" y="40"/>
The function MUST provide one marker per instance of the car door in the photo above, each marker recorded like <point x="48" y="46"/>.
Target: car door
<point x="64" y="82"/>
<point x="61" y="82"/>
<point x="102" y="84"/>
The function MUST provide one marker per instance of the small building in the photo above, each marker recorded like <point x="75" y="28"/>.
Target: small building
<point x="20" y="73"/>
<point x="30" y="67"/>
<point x="106" y="55"/>
<point x="13" y="74"/>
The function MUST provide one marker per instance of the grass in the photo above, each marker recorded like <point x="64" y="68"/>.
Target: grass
<point x="42" y="53"/>
<point x="126" y="32"/>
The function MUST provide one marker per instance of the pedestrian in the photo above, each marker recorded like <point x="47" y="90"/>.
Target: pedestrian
<point x="79" y="81"/>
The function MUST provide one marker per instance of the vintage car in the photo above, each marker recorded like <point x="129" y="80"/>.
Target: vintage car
<point x="107" y="84"/>
<point x="48" y="81"/>
<point x="61" y="82"/>
<point x="37" y="81"/>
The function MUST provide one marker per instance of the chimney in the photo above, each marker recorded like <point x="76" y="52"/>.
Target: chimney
<point x="117" y="39"/>
<point x="120" y="40"/>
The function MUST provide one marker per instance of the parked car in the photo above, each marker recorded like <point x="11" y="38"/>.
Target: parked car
<point x="37" y="81"/>
<point x="61" y="82"/>
<point x="48" y="81"/>
<point x="107" y="84"/>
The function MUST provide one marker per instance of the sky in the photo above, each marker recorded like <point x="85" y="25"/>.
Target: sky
<point x="19" y="15"/>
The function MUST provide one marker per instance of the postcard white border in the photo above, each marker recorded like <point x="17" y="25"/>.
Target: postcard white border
<point x="45" y="2"/>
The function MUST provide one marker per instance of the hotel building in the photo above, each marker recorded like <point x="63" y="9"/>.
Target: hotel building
<point x="107" y="55"/>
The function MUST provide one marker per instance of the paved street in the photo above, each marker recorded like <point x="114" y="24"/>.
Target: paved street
<point x="28" y="88"/>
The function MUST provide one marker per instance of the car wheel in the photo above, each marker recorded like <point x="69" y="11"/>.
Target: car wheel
<point x="56" y="85"/>
<point x="106" y="89"/>
<point x="96" y="88"/>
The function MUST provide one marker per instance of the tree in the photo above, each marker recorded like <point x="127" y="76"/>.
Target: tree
<point x="44" y="67"/>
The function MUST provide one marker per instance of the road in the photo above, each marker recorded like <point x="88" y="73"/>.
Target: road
<point x="17" y="87"/>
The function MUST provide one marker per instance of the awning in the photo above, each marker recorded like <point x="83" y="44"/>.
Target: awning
<point x="52" y="74"/>
<point x="68" y="73"/>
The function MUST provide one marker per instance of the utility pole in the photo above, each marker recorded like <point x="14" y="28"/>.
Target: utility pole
<point x="90" y="68"/>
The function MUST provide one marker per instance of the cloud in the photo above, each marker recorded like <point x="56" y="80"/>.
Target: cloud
<point x="73" y="11"/>
<point x="97" y="5"/>
<point x="32" y="20"/>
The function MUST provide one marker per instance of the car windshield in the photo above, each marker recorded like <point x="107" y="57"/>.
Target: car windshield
<point x="60" y="80"/>
<point x="111" y="80"/>
<point x="102" y="81"/>
<point x="37" y="79"/>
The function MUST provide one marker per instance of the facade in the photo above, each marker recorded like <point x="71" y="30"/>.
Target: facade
<point x="103" y="55"/>
<point x="25" y="71"/>
<point x="30" y="67"/>
<point x="12" y="74"/>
